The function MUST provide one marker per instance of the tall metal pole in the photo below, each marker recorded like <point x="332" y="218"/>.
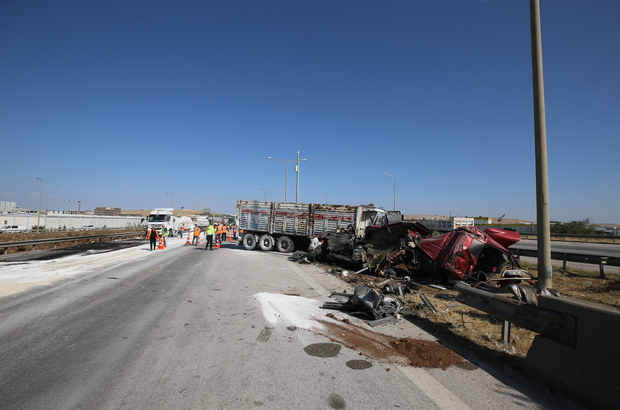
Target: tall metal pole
<point x="394" y="188"/>
<point x="40" y="202"/>
<point x="297" y="184"/>
<point x="265" y="190"/>
<point x="285" y="178"/>
<point x="167" y="193"/>
<point x="545" y="268"/>
<point x="326" y="198"/>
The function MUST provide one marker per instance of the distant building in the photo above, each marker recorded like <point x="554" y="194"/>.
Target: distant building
<point x="445" y="225"/>
<point x="107" y="211"/>
<point x="6" y="207"/>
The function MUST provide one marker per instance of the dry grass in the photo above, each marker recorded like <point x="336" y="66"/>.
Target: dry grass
<point x="482" y="331"/>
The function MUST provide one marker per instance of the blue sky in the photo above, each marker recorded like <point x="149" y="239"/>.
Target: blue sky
<point x="117" y="103"/>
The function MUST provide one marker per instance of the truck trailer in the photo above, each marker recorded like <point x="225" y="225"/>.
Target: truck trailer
<point x="287" y="226"/>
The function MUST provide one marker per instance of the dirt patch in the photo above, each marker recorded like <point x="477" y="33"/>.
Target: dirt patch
<point x="389" y="349"/>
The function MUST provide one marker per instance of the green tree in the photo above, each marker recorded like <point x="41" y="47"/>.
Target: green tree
<point x="574" y="227"/>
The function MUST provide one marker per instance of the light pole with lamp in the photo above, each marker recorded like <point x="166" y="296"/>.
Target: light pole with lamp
<point x="326" y="198"/>
<point x="265" y="190"/>
<point x="297" y="184"/>
<point x="198" y="206"/>
<point x="40" y="202"/>
<point x="167" y="193"/>
<point x="286" y="176"/>
<point x="394" y="188"/>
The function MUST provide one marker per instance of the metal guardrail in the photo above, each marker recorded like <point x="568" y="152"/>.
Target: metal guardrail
<point x="4" y="246"/>
<point x="599" y="260"/>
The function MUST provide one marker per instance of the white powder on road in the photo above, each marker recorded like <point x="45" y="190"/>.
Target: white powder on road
<point x="291" y="310"/>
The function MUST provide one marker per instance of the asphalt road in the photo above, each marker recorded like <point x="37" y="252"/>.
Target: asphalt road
<point x="600" y="249"/>
<point x="182" y="329"/>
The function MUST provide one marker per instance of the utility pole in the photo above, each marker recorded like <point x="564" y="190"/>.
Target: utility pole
<point x="40" y="202"/>
<point x="543" y="220"/>
<point x="285" y="176"/>
<point x="297" y="184"/>
<point x="394" y="188"/>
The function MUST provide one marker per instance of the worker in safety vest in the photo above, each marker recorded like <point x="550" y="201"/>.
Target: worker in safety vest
<point x="182" y="231"/>
<point x="196" y="236"/>
<point x="223" y="233"/>
<point x="152" y="235"/>
<point x="209" y="233"/>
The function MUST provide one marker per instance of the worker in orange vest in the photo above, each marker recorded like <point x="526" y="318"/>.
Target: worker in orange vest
<point x="196" y="236"/>
<point x="224" y="232"/>
<point x="152" y="235"/>
<point x="182" y="231"/>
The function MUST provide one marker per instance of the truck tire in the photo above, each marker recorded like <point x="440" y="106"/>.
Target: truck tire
<point x="266" y="242"/>
<point x="249" y="241"/>
<point x="285" y="244"/>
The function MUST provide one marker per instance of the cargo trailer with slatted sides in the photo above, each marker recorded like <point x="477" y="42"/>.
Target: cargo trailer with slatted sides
<point x="286" y="226"/>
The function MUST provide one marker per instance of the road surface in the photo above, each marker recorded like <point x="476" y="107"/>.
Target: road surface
<point x="187" y="328"/>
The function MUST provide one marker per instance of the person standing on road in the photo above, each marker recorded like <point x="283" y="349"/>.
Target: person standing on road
<point x="223" y="233"/>
<point x="209" y="233"/>
<point x="196" y="236"/>
<point x="164" y="234"/>
<point x="152" y="236"/>
<point x="181" y="231"/>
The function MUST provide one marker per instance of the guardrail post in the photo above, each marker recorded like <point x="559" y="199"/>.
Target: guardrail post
<point x="601" y="266"/>
<point x="564" y="261"/>
<point x="506" y="331"/>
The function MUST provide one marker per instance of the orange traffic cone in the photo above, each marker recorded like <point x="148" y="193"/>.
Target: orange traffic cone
<point x="161" y="243"/>
<point x="187" y="242"/>
<point x="217" y="242"/>
<point x="229" y="236"/>
<point x="198" y="239"/>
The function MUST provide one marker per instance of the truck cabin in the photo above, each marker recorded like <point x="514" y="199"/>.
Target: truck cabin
<point x="158" y="218"/>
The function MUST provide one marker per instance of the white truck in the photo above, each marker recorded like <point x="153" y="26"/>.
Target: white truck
<point x="162" y="217"/>
<point x="286" y="226"/>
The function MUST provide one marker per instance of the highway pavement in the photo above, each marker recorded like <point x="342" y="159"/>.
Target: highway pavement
<point x="183" y="328"/>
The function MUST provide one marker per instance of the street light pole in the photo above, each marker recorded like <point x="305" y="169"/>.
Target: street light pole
<point x="394" y="188"/>
<point x="265" y="190"/>
<point x="285" y="178"/>
<point x="167" y="193"/>
<point x="198" y="206"/>
<point x="326" y="198"/>
<point x="297" y="184"/>
<point x="40" y="202"/>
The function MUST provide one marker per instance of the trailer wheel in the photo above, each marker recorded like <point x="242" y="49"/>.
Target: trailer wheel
<point x="249" y="241"/>
<point x="284" y="244"/>
<point x="266" y="242"/>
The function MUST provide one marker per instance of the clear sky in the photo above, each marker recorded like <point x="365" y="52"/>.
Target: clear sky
<point x="118" y="103"/>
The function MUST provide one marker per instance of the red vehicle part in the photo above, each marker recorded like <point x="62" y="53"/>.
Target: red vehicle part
<point x="468" y="250"/>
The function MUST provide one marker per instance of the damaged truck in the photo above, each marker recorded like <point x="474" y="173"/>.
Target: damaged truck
<point x="286" y="226"/>
<point x="408" y="249"/>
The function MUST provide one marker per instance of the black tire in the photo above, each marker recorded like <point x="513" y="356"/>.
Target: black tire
<point x="249" y="241"/>
<point x="266" y="242"/>
<point x="285" y="244"/>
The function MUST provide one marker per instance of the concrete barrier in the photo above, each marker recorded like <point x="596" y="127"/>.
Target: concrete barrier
<point x="588" y="371"/>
